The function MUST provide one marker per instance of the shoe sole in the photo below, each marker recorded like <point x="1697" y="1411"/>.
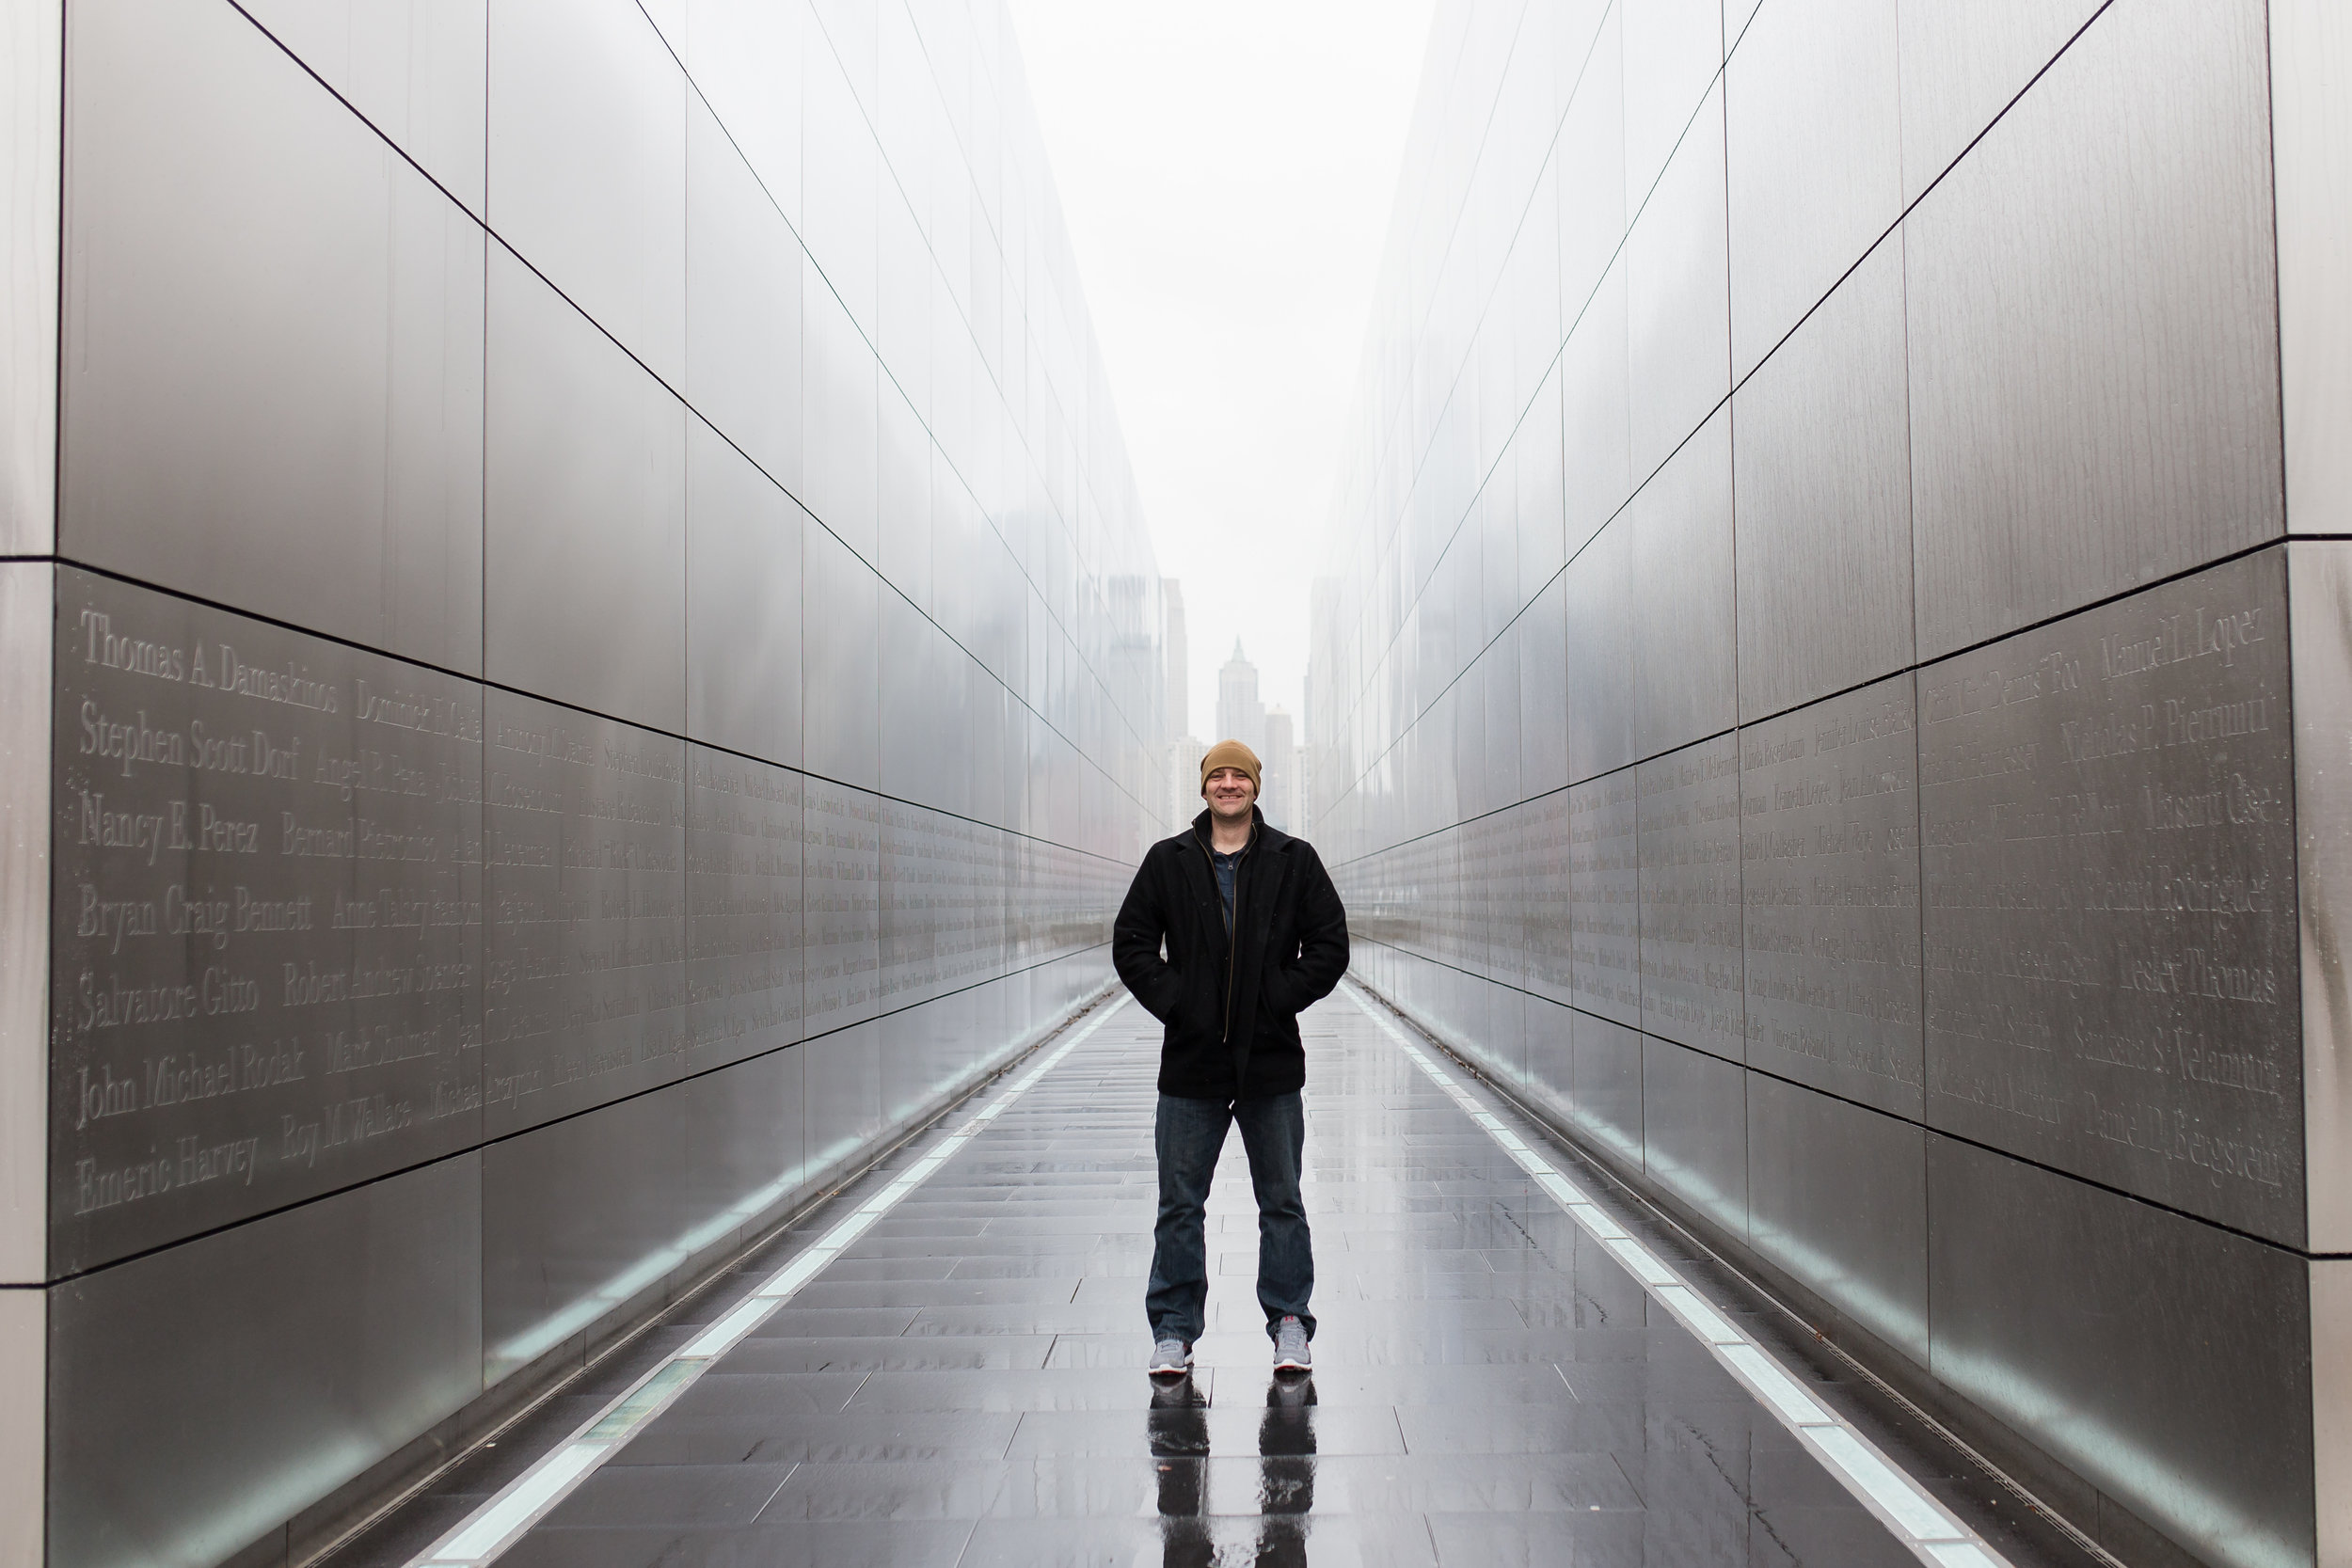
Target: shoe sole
<point x="1293" y="1366"/>
<point x="1171" y="1371"/>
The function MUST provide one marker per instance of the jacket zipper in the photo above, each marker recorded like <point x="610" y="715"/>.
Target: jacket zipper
<point x="1233" y="930"/>
<point x="1232" y="948"/>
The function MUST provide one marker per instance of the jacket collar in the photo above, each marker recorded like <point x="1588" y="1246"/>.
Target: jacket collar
<point x="1263" y="834"/>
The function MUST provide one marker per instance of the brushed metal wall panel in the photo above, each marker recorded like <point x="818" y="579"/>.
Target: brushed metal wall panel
<point x="840" y="174"/>
<point x="959" y="537"/>
<point x="2184" y="1418"/>
<point x="744" y="932"/>
<point x="1962" y="63"/>
<point x="840" y="661"/>
<point x="301" y="1349"/>
<point x="910" y="679"/>
<point x="1604" y="898"/>
<point x="1814" y="159"/>
<point x="913" y="861"/>
<point x="1597" y="588"/>
<point x="1821" y="470"/>
<point x="669" y="17"/>
<point x="2331" y="1401"/>
<point x="415" y="69"/>
<point x="1538" y="462"/>
<point x="743" y="603"/>
<point x="27" y="644"/>
<point x="1550" y="1081"/>
<point x="1829" y="849"/>
<point x="2311" y="144"/>
<point x="32" y="160"/>
<point x="746" y="1127"/>
<point x="1597" y="461"/>
<point x="743" y="268"/>
<point x="265" y="916"/>
<point x="24" y="1423"/>
<point x="579" y="1218"/>
<point x="1589" y="170"/>
<point x="1499" y="689"/>
<point x="1492" y="571"/>
<point x="840" y="419"/>
<point x="584" y="886"/>
<point x="967" y="894"/>
<point x="843" y="1071"/>
<point x="1689" y="835"/>
<point x="2094" y="328"/>
<point x="1738" y="14"/>
<point x="272" y="374"/>
<point x="2109" y="893"/>
<point x="1608" y="1105"/>
<point x="985" y="708"/>
<point x="919" y="1049"/>
<point x="1838" y="1196"/>
<point x="1546" y="913"/>
<point x="1685" y="635"/>
<point x="1543" y="653"/>
<point x="841" y="876"/>
<point x="587" y="139"/>
<point x="1480" y="874"/>
<point x="584" y="511"/>
<point x="1678" y="297"/>
<point x="1694" y="1130"/>
<point x="2319" y="617"/>
<point x="737" y="52"/>
<point x="902" y="505"/>
<point x="1505" y="1027"/>
<point x="1673" y="50"/>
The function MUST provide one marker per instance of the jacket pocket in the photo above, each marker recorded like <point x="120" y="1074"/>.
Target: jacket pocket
<point x="1276" y="990"/>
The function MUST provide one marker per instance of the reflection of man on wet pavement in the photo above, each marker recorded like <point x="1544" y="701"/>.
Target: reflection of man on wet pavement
<point x="1286" y="1475"/>
<point x="1231" y="929"/>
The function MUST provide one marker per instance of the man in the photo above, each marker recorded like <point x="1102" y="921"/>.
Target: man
<point x="1254" y="934"/>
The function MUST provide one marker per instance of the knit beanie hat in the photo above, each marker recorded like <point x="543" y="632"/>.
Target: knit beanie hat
<point x="1229" y="753"/>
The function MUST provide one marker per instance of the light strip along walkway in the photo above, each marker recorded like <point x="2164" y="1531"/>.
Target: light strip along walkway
<point x="485" y="1535"/>
<point x="1505" y="1373"/>
<point x="1902" y="1505"/>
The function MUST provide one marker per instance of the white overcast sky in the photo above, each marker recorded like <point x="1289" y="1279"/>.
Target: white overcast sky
<point x="1226" y="171"/>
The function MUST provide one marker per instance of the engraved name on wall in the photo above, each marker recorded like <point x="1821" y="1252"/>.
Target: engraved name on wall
<point x="1829" y="847"/>
<point x="585" y="892"/>
<point x="1690" y="889"/>
<point x="2107" y="843"/>
<point x="266" y="969"/>
<point x="1543" y="901"/>
<point x="1604" y="898"/>
<point x="841" y="876"/>
<point x="743" y="906"/>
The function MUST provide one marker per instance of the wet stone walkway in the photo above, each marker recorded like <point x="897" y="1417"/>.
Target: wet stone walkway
<point x="964" y="1386"/>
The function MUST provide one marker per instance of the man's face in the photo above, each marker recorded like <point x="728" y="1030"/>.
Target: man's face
<point x="1229" y="793"/>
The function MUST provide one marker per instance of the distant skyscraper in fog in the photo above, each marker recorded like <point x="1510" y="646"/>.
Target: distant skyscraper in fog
<point x="1239" y="714"/>
<point x="1178" y="659"/>
<point x="1182" y="760"/>
<point x="1268" y="731"/>
<point x="1278" y="793"/>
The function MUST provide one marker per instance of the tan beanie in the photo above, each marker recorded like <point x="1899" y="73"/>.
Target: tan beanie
<point x="1229" y="753"/>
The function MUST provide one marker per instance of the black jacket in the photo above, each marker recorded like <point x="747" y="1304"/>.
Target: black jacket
<point x="1230" y="1006"/>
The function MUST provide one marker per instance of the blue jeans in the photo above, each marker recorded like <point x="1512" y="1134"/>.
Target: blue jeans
<point x="1187" y="1135"/>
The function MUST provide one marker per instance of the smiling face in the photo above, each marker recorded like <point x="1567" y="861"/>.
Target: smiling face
<point x="1230" y="794"/>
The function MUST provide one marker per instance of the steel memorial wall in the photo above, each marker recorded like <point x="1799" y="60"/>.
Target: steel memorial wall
<point x="577" y="651"/>
<point x="1832" y="682"/>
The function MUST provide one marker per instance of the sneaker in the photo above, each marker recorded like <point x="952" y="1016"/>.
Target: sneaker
<point x="1291" y="1354"/>
<point x="1171" y="1358"/>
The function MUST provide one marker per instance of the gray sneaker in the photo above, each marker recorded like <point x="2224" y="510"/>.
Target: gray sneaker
<point x="1291" y="1354"/>
<point x="1171" y="1358"/>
